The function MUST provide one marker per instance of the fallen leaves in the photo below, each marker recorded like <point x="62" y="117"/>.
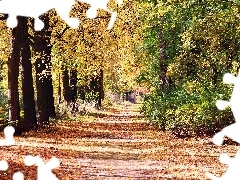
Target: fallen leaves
<point x="113" y="147"/>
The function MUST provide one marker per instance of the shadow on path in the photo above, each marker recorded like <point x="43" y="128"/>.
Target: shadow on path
<point x="118" y="146"/>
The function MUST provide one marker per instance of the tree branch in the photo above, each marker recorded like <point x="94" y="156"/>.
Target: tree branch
<point x="65" y="29"/>
<point x="103" y="17"/>
<point x="61" y="35"/>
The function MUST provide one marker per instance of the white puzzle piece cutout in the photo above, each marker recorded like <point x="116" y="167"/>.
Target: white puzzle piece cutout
<point x="18" y="176"/>
<point x="230" y="131"/>
<point x="44" y="171"/>
<point x="100" y="4"/>
<point x="233" y="172"/>
<point x="9" y="139"/>
<point x="3" y="165"/>
<point x="35" y="8"/>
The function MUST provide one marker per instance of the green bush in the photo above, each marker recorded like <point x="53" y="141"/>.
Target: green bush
<point x="177" y="109"/>
<point x="192" y="44"/>
<point x="91" y="97"/>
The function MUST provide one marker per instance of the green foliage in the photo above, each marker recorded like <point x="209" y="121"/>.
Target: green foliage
<point x="202" y="42"/>
<point x="178" y="108"/>
<point x="91" y="97"/>
<point x="107" y="102"/>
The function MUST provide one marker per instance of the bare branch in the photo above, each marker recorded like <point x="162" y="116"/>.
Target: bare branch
<point x="65" y="29"/>
<point x="103" y="17"/>
<point x="59" y="36"/>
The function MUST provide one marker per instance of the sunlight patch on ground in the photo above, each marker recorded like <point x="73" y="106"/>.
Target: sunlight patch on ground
<point x="112" y="120"/>
<point x="87" y="148"/>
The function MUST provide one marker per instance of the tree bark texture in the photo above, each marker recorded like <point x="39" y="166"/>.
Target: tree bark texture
<point x="13" y="72"/>
<point x="96" y="85"/>
<point x="30" y="120"/>
<point x="162" y="59"/>
<point x="59" y="89"/>
<point x="42" y="48"/>
<point x="66" y="86"/>
<point x="73" y="88"/>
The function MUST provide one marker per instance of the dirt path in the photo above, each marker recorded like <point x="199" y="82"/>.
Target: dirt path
<point x="119" y="146"/>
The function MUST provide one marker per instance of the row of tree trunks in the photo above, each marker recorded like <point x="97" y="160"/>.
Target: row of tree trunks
<point x="20" y="54"/>
<point x="71" y="91"/>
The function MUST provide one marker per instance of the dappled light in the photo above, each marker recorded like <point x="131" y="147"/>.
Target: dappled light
<point x="112" y="149"/>
<point x="119" y="89"/>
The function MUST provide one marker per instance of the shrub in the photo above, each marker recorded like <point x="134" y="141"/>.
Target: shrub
<point x="182" y="110"/>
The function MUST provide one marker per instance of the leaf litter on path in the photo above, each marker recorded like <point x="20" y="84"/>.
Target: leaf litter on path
<point x="118" y="146"/>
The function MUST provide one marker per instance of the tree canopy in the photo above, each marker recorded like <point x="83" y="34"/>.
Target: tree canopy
<point x="200" y="43"/>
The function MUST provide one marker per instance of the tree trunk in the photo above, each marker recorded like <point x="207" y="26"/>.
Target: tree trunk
<point x="96" y="85"/>
<point x="82" y="92"/>
<point x="93" y="86"/>
<point x="42" y="48"/>
<point x="49" y="86"/>
<point x="59" y="89"/>
<point x="162" y="61"/>
<point x="101" y="91"/>
<point x="13" y="72"/>
<point x="127" y="96"/>
<point x="66" y="87"/>
<point x="30" y="120"/>
<point x="73" y="88"/>
<point x="43" y="117"/>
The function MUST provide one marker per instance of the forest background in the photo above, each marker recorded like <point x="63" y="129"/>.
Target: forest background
<point x="178" y="50"/>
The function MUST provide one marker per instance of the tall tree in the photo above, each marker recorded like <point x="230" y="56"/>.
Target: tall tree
<point x="13" y="72"/>
<point x="30" y="119"/>
<point x="48" y="65"/>
<point x="42" y="48"/>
